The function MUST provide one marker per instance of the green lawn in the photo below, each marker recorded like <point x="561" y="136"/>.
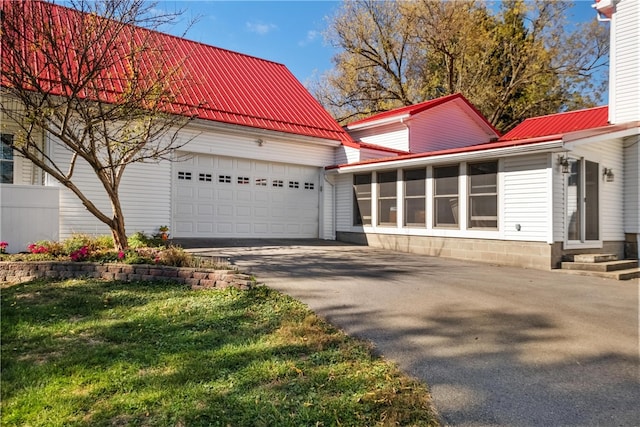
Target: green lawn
<point x="91" y="353"/>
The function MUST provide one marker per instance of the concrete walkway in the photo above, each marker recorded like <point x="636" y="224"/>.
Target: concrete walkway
<point x="497" y="346"/>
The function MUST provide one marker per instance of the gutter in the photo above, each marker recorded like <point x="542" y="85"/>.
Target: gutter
<point x="442" y="157"/>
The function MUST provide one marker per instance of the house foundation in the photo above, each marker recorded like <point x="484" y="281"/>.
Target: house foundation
<point x="536" y="255"/>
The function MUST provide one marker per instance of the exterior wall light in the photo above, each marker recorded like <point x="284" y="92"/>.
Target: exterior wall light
<point x="607" y="173"/>
<point x="260" y="142"/>
<point x="563" y="161"/>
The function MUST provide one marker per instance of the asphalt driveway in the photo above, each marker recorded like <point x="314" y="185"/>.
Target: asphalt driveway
<point x="498" y="346"/>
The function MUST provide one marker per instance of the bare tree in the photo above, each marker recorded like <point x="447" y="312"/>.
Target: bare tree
<point x="96" y="77"/>
<point x="515" y="62"/>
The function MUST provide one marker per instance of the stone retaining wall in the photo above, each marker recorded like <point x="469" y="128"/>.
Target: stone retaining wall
<point x="197" y="278"/>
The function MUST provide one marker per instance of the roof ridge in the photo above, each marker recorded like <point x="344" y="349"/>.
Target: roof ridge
<point x="582" y="110"/>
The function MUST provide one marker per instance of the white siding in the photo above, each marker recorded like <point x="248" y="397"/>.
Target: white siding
<point x="632" y="185"/>
<point x="344" y="202"/>
<point x="327" y="206"/>
<point x="345" y="155"/>
<point x="29" y="213"/>
<point x="525" y="198"/>
<point x="625" y="63"/>
<point x="395" y="136"/>
<point x="245" y="145"/>
<point x="443" y="127"/>
<point x="145" y="196"/>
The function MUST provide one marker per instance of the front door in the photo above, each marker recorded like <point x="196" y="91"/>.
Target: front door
<point x="583" y="202"/>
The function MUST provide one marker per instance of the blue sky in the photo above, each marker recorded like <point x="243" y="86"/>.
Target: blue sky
<point x="287" y="32"/>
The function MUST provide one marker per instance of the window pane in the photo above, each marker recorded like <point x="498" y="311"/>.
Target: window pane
<point x="592" y="178"/>
<point x="6" y="159"/>
<point x="446" y="180"/>
<point x="414" y="210"/>
<point x="362" y="199"/>
<point x="363" y="212"/>
<point x="483" y="195"/>
<point x="387" y="211"/>
<point x="446" y="211"/>
<point x="483" y="184"/>
<point x="6" y="172"/>
<point x="387" y="184"/>
<point x="484" y="211"/>
<point x="483" y="168"/>
<point x="414" y="182"/>
<point x="573" y="201"/>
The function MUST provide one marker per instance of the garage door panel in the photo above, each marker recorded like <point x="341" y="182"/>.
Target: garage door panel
<point x="224" y="228"/>
<point x="205" y="209"/>
<point x="243" y="211"/>
<point x="204" y="227"/>
<point x="243" y="165"/>
<point x="224" y="210"/>
<point x="222" y="196"/>
<point x="243" y="195"/>
<point x="277" y="212"/>
<point x="243" y="228"/>
<point x="223" y="163"/>
<point x="225" y="194"/>
<point x="205" y="193"/>
<point x="185" y="193"/>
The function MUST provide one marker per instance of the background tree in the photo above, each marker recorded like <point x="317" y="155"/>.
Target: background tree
<point x="515" y="62"/>
<point x="99" y="84"/>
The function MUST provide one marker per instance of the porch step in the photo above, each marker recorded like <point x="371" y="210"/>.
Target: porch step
<point x="628" y="274"/>
<point x="600" y="266"/>
<point x="603" y="265"/>
<point x="593" y="258"/>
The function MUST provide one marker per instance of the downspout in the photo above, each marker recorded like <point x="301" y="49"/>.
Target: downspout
<point x="333" y="205"/>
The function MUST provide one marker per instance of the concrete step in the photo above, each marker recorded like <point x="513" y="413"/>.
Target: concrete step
<point x="600" y="266"/>
<point x="591" y="258"/>
<point x="628" y="274"/>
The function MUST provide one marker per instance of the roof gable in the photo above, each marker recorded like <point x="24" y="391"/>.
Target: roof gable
<point x="559" y="124"/>
<point x="402" y="113"/>
<point x="219" y="85"/>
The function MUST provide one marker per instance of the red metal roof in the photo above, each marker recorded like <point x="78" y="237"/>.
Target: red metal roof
<point x="558" y="124"/>
<point x="222" y="85"/>
<point x="419" y="108"/>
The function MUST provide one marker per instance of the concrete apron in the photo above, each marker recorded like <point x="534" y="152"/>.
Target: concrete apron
<point x="496" y="345"/>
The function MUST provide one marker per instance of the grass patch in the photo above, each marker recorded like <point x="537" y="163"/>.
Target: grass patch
<point x="95" y="353"/>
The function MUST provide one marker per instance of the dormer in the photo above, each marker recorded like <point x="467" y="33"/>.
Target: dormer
<point x="438" y="124"/>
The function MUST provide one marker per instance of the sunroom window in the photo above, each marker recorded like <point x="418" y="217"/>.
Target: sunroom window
<point x="414" y="197"/>
<point x="362" y="199"/>
<point x="483" y="195"/>
<point x="387" y="198"/>
<point x="6" y="159"/>
<point x="445" y="196"/>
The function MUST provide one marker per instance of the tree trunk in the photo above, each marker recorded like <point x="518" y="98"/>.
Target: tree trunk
<point x="118" y="231"/>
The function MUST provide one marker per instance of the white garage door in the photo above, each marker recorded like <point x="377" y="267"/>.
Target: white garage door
<point x="230" y="197"/>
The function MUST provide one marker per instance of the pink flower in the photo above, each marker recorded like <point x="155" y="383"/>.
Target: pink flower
<point x="120" y="254"/>
<point x="80" y="255"/>
<point x="37" y="249"/>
